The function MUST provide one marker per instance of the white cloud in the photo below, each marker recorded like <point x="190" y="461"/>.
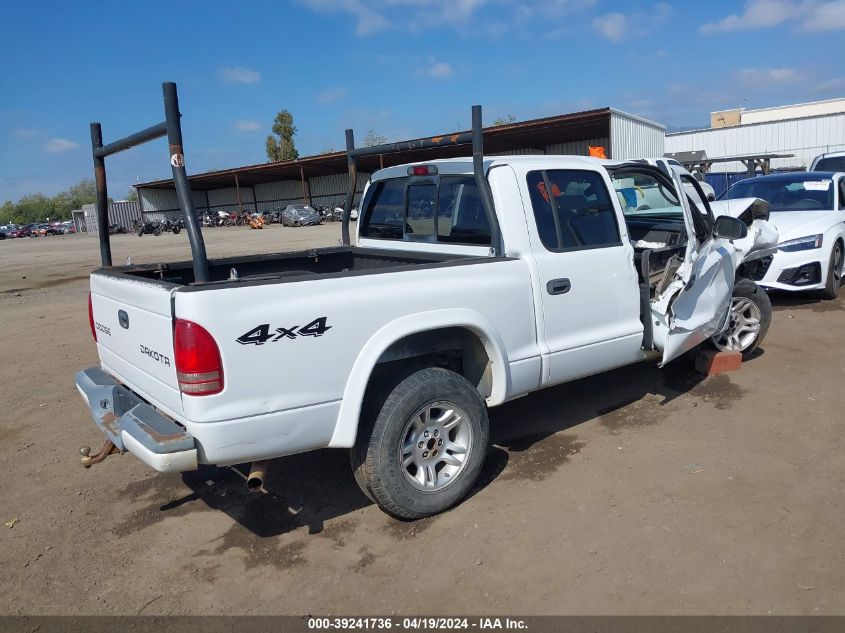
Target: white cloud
<point x="767" y="75"/>
<point x="828" y="16"/>
<point x="246" y="125"/>
<point x="367" y="20"/>
<point x="837" y="83"/>
<point x="488" y="17"/>
<point x="617" y="27"/>
<point x="60" y="145"/>
<point x="803" y="15"/>
<point x="330" y="95"/>
<point x="438" y="70"/>
<point x="239" y="75"/>
<point x="28" y="133"/>
<point x="613" y="26"/>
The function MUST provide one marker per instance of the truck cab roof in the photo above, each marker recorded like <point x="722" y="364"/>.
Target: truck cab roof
<point x="463" y="165"/>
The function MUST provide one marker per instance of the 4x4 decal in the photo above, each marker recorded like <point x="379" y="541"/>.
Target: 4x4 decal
<point x="261" y="334"/>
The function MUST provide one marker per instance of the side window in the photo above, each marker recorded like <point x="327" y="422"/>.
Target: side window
<point x="640" y="194"/>
<point x="842" y="194"/>
<point x="572" y="209"/>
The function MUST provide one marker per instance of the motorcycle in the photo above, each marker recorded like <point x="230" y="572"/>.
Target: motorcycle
<point x="141" y="227"/>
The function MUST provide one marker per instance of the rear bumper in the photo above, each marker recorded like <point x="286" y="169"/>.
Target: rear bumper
<point x="134" y="426"/>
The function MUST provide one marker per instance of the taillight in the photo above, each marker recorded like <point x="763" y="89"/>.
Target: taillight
<point x="422" y="170"/>
<point x="198" y="367"/>
<point x="91" y="317"/>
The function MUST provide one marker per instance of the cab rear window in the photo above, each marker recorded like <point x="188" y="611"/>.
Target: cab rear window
<point x="442" y="209"/>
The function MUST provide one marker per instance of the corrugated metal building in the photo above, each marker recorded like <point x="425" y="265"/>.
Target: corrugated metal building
<point x="120" y="212"/>
<point x="814" y="131"/>
<point x="322" y="180"/>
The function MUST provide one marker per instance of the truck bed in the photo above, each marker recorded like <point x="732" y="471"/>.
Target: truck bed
<point x="291" y="266"/>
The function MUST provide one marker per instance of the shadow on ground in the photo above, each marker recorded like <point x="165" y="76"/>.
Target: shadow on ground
<point x="785" y="301"/>
<point x="531" y="438"/>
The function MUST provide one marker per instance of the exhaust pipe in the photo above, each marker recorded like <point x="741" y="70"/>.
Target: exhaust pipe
<point x="257" y="473"/>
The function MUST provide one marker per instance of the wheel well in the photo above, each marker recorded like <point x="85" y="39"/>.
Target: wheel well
<point x="455" y="348"/>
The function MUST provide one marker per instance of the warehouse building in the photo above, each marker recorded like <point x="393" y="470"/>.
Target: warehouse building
<point x="323" y="179"/>
<point x="803" y="131"/>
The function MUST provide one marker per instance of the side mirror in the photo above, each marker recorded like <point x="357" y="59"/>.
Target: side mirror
<point x="729" y="228"/>
<point x="697" y="175"/>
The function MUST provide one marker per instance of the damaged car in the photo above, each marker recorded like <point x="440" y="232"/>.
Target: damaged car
<point x="808" y="211"/>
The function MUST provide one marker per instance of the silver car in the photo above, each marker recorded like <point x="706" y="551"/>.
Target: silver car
<point x="300" y="215"/>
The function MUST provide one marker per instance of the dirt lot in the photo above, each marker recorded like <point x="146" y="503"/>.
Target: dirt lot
<point x="638" y="491"/>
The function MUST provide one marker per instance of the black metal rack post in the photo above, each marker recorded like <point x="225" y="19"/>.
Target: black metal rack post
<point x="172" y="128"/>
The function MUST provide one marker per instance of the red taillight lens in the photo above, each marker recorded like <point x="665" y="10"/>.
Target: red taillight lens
<point x="91" y="317"/>
<point x="422" y="170"/>
<point x="198" y="367"/>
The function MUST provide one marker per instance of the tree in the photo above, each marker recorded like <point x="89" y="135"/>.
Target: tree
<point x="132" y="196"/>
<point x="373" y="138"/>
<point x="282" y="148"/>
<point x="504" y="120"/>
<point x="37" y="207"/>
<point x="84" y="192"/>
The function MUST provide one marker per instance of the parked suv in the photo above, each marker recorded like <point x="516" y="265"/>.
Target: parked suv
<point x="832" y="161"/>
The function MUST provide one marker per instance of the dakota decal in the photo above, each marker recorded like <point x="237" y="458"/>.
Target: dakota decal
<point x="159" y="358"/>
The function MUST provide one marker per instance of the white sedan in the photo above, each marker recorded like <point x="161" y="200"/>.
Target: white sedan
<point x="808" y="210"/>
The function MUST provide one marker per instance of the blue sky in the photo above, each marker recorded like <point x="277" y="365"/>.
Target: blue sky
<point x="402" y="67"/>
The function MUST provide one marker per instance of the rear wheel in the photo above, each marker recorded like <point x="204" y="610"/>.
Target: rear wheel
<point x="749" y="320"/>
<point x="425" y="448"/>
<point x="834" y="273"/>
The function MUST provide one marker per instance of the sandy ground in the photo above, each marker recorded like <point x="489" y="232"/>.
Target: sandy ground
<point x="635" y="492"/>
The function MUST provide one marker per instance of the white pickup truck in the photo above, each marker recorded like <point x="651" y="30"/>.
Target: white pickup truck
<point x="473" y="282"/>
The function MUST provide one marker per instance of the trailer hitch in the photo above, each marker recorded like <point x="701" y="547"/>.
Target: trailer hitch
<point x="108" y="449"/>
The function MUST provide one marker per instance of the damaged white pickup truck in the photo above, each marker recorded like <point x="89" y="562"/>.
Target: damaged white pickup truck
<point x="473" y="282"/>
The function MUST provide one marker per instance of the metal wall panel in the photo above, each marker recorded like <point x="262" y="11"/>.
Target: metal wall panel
<point x="219" y="198"/>
<point x="122" y="212"/>
<point x="576" y="148"/>
<point x="158" y="199"/>
<point x="531" y="151"/>
<point x="806" y="138"/>
<point x="634" y="137"/>
<point x="281" y="193"/>
<point x="330" y="191"/>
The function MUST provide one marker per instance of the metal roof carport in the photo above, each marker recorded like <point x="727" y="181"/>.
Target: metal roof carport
<point x="323" y="179"/>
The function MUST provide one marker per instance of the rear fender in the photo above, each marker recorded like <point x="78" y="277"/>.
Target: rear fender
<point x="346" y="428"/>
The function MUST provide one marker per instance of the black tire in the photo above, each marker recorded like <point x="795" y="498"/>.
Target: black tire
<point x="375" y="458"/>
<point x="834" y="273"/>
<point x="750" y="291"/>
<point x="176" y="230"/>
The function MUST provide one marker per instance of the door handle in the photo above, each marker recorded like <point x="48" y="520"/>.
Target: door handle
<point x="558" y="286"/>
<point x="123" y="319"/>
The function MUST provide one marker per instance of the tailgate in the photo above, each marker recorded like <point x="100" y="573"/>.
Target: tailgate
<point x="134" y="324"/>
